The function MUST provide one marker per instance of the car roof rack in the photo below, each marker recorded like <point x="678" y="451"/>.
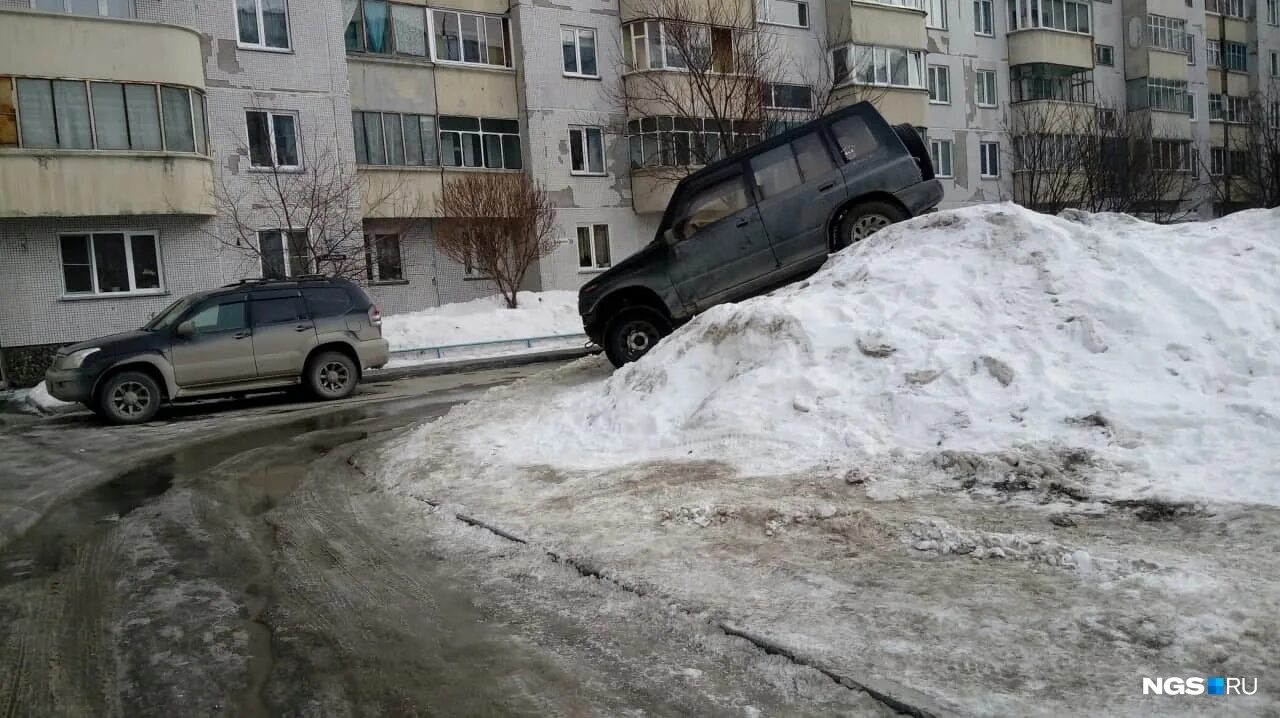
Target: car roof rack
<point x="270" y="280"/>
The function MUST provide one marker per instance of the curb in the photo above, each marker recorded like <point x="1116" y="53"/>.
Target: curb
<point x="479" y="364"/>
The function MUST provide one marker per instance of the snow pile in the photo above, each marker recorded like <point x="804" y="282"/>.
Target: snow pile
<point x="1142" y="359"/>
<point x="36" y="400"/>
<point x="538" y="314"/>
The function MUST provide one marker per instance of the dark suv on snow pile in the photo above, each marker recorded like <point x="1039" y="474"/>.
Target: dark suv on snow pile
<point x="259" y="334"/>
<point x="760" y="219"/>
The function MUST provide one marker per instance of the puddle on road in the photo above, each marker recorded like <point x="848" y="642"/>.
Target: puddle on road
<point x="54" y="541"/>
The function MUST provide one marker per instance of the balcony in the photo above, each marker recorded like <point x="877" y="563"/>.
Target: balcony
<point x="651" y="188"/>
<point x="897" y="104"/>
<point x="887" y="24"/>
<point x="1052" y="47"/>
<point x="399" y="192"/>
<point x="62" y="183"/>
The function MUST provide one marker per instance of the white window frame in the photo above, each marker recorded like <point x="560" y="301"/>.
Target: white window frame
<point x="879" y="53"/>
<point x="585" y="146"/>
<point x="1021" y="18"/>
<point x="1235" y="8"/>
<point x="1111" y="55"/>
<point x="128" y="234"/>
<point x="766" y="17"/>
<point x="1273" y="12"/>
<point x="938" y="76"/>
<point x="373" y="270"/>
<point x="772" y="102"/>
<point x="991" y="14"/>
<point x="261" y="44"/>
<point x="102" y="9"/>
<point x="577" y="50"/>
<point x="508" y="45"/>
<point x="980" y="86"/>
<point x="271" y="131"/>
<point x="935" y="20"/>
<point x="284" y="247"/>
<point x="985" y="162"/>
<point x="935" y="155"/>
<point x="591" y="228"/>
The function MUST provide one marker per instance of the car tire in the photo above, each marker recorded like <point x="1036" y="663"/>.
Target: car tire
<point x="331" y="375"/>
<point x="130" y="397"/>
<point x="632" y="332"/>
<point x="863" y="220"/>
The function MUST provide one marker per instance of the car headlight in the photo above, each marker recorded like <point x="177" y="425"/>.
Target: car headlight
<point x="74" y="360"/>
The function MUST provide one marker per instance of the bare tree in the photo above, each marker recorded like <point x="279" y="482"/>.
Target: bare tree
<point x="500" y="224"/>
<point x="1247" y="172"/>
<point x="314" y="207"/>
<point x="1045" y="153"/>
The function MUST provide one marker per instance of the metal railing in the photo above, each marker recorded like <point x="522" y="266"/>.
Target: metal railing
<point x="439" y="351"/>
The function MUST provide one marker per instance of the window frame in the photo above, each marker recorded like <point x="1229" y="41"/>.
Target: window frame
<point x="584" y="133"/>
<point x="1021" y="16"/>
<point x="275" y="165"/>
<point x="577" y="50"/>
<point x="382" y="128"/>
<point x="593" y="237"/>
<point x="262" y="45"/>
<point x="944" y="71"/>
<point x="128" y="235"/>
<point x="66" y="9"/>
<point x="484" y="146"/>
<point x="979" y="86"/>
<point x="200" y="139"/>
<point x="772" y="103"/>
<point x="935" y="157"/>
<point x="507" y="43"/>
<point x="984" y="162"/>
<point x="1097" y="55"/>
<point x="284" y="249"/>
<point x="373" y="258"/>
<point x="765" y="16"/>
<point x="990" y="17"/>
<point x="879" y="52"/>
<point x="929" y="15"/>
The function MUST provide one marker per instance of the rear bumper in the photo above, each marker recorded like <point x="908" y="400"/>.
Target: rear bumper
<point x="921" y="196"/>
<point x="374" y="353"/>
<point x="69" y="384"/>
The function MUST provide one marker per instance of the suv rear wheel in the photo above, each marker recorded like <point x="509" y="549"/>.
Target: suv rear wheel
<point x="130" y="397"/>
<point x="331" y="375"/>
<point x="632" y="332"/>
<point x="865" y="219"/>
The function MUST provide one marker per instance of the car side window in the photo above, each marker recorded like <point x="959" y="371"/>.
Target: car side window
<point x="214" y="318"/>
<point x="327" y="301"/>
<point x="776" y="171"/>
<point x="854" y="137"/>
<point x="278" y="310"/>
<point x="713" y="204"/>
<point x="811" y="153"/>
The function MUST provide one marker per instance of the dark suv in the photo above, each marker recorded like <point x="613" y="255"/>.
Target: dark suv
<point x="258" y="334"/>
<point x="760" y="219"/>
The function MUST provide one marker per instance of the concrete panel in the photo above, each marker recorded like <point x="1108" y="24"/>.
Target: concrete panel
<point x="1051" y="46"/>
<point x="1168" y="65"/>
<point x="1168" y="8"/>
<point x="1051" y="117"/>
<point x="476" y="92"/>
<point x="725" y="13"/>
<point x="68" y="183"/>
<point x="651" y="189"/>
<point x="392" y="85"/>
<point x="886" y="25"/>
<point x="492" y="7"/>
<point x="1168" y="125"/>
<point x="74" y="46"/>
<point x="400" y="192"/>
<point x="896" y="104"/>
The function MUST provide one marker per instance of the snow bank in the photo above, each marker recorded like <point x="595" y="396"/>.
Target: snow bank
<point x="1134" y="358"/>
<point x="539" y="314"/>
<point x="36" y="400"/>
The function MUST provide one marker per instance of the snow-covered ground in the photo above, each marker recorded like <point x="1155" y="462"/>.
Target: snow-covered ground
<point x="538" y="314"/>
<point x="988" y="460"/>
<point x="36" y="400"/>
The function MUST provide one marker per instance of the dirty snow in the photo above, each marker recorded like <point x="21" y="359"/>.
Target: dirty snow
<point x="1092" y="356"/>
<point x="538" y="314"/>
<point x="36" y="400"/>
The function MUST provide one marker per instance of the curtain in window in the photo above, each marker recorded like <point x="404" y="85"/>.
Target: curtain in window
<point x="602" y="245"/>
<point x="144" y="116"/>
<point x="109" y="115"/>
<point x="271" y="251"/>
<point x="275" y="23"/>
<point x="497" y="53"/>
<point x="110" y="262"/>
<point x="411" y="31"/>
<point x="299" y="253"/>
<point x="595" y="150"/>
<point x="376" y="26"/>
<point x="259" y="139"/>
<point x="178" y="134"/>
<point x="286" y="134"/>
<point x="471" y="38"/>
<point x="198" y="117"/>
<point x="373" y="135"/>
<point x="448" y="43"/>
<point x="587" y="49"/>
<point x="354" y="35"/>
<point x="395" y="138"/>
<point x="35" y="107"/>
<point x="357" y="128"/>
<point x="584" y="247"/>
<point x="247" y="20"/>
<point x="71" y="109"/>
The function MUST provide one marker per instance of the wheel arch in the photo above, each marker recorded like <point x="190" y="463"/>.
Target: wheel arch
<point x="833" y="223"/>
<point x="634" y="295"/>
<point x="157" y="369"/>
<point x="340" y="347"/>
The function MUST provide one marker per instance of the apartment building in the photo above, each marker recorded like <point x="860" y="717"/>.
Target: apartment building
<point x="138" y="168"/>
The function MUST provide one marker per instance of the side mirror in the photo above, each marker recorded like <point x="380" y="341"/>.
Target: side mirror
<point x="186" y="328"/>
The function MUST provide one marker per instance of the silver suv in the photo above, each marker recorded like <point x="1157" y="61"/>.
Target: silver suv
<point x="316" y="331"/>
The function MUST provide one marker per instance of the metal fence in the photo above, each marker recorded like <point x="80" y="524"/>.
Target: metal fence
<point x="441" y="352"/>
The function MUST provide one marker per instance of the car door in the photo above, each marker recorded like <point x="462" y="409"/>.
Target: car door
<point x="221" y="348"/>
<point x="873" y="156"/>
<point x="717" y="241"/>
<point x="798" y="186"/>
<point x="283" y="332"/>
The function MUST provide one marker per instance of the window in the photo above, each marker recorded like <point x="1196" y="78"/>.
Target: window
<point x="378" y="27"/>
<point x="593" y="247"/>
<point x="263" y="23"/>
<point x="1273" y="12"/>
<point x="1042" y="81"/>
<point x="474" y="39"/>
<point x="110" y="263"/>
<point x="391" y="138"/>
<point x="1158" y="94"/>
<point x="1171" y="156"/>
<point x="586" y="150"/>
<point x="579" y="48"/>
<point x="273" y="139"/>
<point x="1167" y="33"/>
<point x="1106" y="118"/>
<point x="937" y="14"/>
<point x="652" y="45"/>
<point x="986" y="88"/>
<point x="1191" y="49"/>
<point x="854" y="138"/>
<point x="55" y="114"/>
<point x="1217" y="161"/>
<point x="712" y="205"/>
<point x="940" y="84"/>
<point x="327" y="301"/>
<point x="103" y="8"/>
<point x="479" y="142"/>
<point x="1275" y="63"/>
<point x="284" y="253"/>
<point x="1230" y="8"/>
<point x="1228" y="108"/>
<point x="883" y="66"/>
<point x="382" y="258"/>
<point x="989" y="159"/>
<point x="917" y="4"/>
<point x="220" y="316"/>
<point x="940" y="153"/>
<point x="1273" y="115"/>
<point x="1068" y="15"/>
<point x="983" y="18"/>
<point x="687" y="141"/>
<point x="268" y="309"/>
<point x="1105" y="55"/>
<point x="784" y="12"/>
<point x="1191" y="106"/>
<point x="790" y="97"/>
<point x="1236" y="55"/>
<point x="776" y="171"/>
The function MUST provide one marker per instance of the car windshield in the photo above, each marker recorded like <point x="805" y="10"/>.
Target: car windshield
<point x="165" y="319"/>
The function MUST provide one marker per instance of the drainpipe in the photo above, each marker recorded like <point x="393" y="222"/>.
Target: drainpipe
<point x="1226" y="113"/>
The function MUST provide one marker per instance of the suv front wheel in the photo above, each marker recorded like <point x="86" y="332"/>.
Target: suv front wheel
<point x="331" y="375"/>
<point x="632" y="332"/>
<point x="130" y="397"/>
